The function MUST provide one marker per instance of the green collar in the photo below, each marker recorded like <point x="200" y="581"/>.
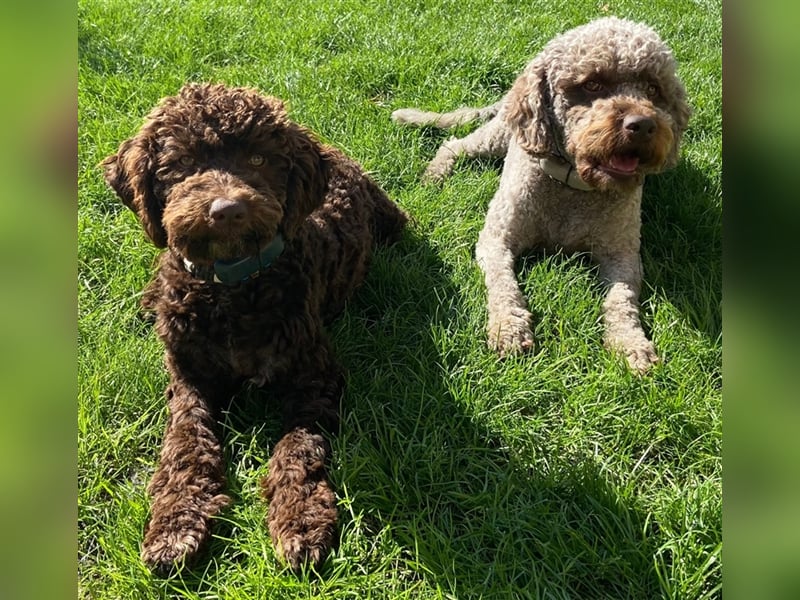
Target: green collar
<point x="231" y="272"/>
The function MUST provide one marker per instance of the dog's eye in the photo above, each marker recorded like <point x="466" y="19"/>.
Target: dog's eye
<point x="186" y="161"/>
<point x="652" y="90"/>
<point x="256" y="160"/>
<point x="592" y="86"/>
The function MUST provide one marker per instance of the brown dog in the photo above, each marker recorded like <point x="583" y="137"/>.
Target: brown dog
<point x="268" y="233"/>
<point x="594" y="112"/>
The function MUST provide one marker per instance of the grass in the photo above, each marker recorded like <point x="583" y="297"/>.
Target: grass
<point x="557" y="475"/>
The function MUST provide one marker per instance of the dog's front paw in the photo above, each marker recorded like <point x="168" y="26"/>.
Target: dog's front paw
<point x="642" y="358"/>
<point x="302" y="523"/>
<point x="640" y="354"/>
<point x="511" y="334"/>
<point x="167" y="544"/>
<point x="177" y="532"/>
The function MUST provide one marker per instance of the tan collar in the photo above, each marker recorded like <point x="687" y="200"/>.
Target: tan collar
<point x="564" y="172"/>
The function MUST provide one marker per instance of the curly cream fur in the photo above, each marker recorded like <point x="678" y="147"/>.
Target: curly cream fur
<point x="602" y="100"/>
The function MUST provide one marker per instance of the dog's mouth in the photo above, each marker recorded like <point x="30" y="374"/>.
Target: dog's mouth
<point x="206" y="250"/>
<point x="234" y="248"/>
<point x="622" y="166"/>
<point x="621" y="170"/>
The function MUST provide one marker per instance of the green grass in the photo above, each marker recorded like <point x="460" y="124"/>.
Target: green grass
<point x="557" y="475"/>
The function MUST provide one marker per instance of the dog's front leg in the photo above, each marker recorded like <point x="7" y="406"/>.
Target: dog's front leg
<point x="623" y="328"/>
<point x="187" y="487"/>
<point x="302" y="503"/>
<point x="509" y="322"/>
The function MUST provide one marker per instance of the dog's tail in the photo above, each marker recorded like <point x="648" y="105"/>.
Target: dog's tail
<point x="461" y="116"/>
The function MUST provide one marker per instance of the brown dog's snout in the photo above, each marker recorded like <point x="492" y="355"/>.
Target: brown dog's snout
<point x="225" y="211"/>
<point x="639" y="128"/>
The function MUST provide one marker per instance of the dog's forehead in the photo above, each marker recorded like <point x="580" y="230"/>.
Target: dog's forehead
<point x="614" y="49"/>
<point x="215" y="115"/>
<point x="210" y="120"/>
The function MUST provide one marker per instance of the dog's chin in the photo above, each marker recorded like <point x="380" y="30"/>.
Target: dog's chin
<point x="206" y="250"/>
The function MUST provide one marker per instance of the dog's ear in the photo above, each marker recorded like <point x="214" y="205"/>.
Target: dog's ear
<point x="528" y="112"/>
<point x="680" y="111"/>
<point x="307" y="179"/>
<point x="129" y="173"/>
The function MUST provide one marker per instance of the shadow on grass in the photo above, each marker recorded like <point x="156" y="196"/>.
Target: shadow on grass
<point x="417" y="463"/>
<point x="682" y="244"/>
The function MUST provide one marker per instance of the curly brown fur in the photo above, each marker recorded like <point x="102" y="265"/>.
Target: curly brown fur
<point x="216" y="174"/>
<point x="599" y="108"/>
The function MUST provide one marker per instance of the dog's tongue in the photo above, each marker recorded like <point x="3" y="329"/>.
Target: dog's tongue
<point x="625" y="164"/>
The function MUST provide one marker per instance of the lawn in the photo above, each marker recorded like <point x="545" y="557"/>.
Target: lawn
<point x="554" y="475"/>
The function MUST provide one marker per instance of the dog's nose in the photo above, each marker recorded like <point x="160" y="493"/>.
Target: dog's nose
<point x="224" y="210"/>
<point x="639" y="127"/>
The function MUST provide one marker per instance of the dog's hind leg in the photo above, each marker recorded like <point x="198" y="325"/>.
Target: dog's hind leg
<point x="490" y="139"/>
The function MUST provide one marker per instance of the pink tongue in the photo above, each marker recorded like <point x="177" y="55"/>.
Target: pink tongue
<point x="627" y="164"/>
